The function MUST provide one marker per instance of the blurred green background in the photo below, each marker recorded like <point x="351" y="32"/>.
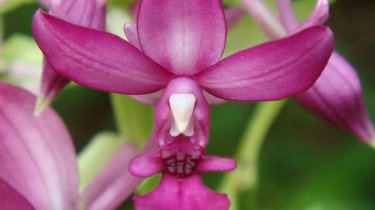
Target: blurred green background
<point x="304" y="162"/>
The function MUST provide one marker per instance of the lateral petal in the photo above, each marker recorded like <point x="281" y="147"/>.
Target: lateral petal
<point x="96" y="59"/>
<point x="273" y="70"/>
<point x="214" y="163"/>
<point x="184" y="37"/>
<point x="36" y="153"/>
<point x="337" y="97"/>
<point x="145" y="165"/>
<point x="131" y="33"/>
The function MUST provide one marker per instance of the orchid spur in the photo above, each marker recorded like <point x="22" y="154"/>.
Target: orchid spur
<point x="38" y="167"/>
<point x="174" y="54"/>
<point x="336" y="96"/>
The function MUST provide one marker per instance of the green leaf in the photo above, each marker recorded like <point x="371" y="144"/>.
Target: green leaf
<point x="121" y="3"/>
<point x="13" y="4"/>
<point x="21" y="48"/>
<point x="133" y="119"/>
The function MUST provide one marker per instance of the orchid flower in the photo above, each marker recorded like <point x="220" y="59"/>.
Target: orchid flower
<point x="336" y="96"/>
<point x="173" y="60"/>
<point x="38" y="167"/>
<point x="89" y="13"/>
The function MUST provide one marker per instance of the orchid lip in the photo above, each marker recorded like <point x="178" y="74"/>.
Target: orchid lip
<point x="182" y="107"/>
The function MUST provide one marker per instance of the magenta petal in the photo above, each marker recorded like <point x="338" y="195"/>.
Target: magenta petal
<point x="265" y="18"/>
<point x="273" y="70"/>
<point x="36" y="153"/>
<point x="51" y="84"/>
<point x="185" y="193"/>
<point x="212" y="164"/>
<point x="131" y="33"/>
<point x="337" y="97"/>
<point x="89" y="13"/>
<point x="287" y="16"/>
<point x="96" y="59"/>
<point x="150" y="99"/>
<point x="145" y="165"/>
<point x="232" y="16"/>
<point x="11" y="200"/>
<point x="185" y="37"/>
<point x="114" y="183"/>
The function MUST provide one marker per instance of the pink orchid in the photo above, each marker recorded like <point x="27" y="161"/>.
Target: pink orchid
<point x="100" y="60"/>
<point x="38" y="167"/>
<point x="173" y="60"/>
<point x="89" y="13"/>
<point x="336" y="96"/>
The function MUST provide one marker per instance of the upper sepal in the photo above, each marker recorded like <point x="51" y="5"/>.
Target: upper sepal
<point x="184" y="37"/>
<point x="273" y="70"/>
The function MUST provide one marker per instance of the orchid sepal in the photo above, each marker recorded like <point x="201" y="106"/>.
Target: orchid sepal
<point x="273" y="70"/>
<point x="89" y="13"/>
<point x="104" y="65"/>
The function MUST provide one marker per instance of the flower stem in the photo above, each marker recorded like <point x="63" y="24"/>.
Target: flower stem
<point x="244" y="178"/>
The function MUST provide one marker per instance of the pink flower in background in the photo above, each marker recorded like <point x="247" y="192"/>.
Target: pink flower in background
<point x="38" y="167"/>
<point x="336" y="96"/>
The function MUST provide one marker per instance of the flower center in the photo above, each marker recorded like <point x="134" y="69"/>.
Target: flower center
<point x="181" y="160"/>
<point x="180" y="165"/>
